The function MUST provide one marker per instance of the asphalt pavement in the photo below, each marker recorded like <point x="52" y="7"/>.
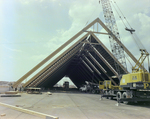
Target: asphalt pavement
<point x="73" y="106"/>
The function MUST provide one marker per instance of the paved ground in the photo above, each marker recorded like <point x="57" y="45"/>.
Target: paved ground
<point x="73" y="106"/>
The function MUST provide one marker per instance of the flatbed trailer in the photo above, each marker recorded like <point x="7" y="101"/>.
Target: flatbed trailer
<point x="125" y="95"/>
<point x="33" y="90"/>
<point x="134" y="99"/>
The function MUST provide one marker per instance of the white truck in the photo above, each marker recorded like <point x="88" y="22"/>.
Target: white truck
<point x="90" y="87"/>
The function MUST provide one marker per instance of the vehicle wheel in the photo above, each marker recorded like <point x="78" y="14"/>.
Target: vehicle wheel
<point x="110" y="98"/>
<point x="110" y="93"/>
<point x="98" y="92"/>
<point x="106" y="93"/>
<point x="93" y="91"/>
<point x="119" y="96"/>
<point x="124" y="96"/>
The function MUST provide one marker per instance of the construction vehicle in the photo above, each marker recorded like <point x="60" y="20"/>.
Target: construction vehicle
<point x="83" y="88"/>
<point x="134" y="86"/>
<point x="90" y="87"/>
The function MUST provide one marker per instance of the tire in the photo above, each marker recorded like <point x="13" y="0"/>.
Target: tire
<point x="93" y="91"/>
<point x="106" y="93"/>
<point x="110" y="93"/>
<point x="119" y="96"/>
<point x="98" y="92"/>
<point x="125" y="95"/>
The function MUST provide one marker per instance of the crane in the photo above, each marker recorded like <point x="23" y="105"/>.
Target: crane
<point x="117" y="50"/>
<point x="133" y="86"/>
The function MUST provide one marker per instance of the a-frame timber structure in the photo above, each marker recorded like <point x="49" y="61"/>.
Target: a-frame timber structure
<point x="87" y="59"/>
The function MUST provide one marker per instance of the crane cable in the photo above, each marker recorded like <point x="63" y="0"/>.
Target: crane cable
<point x="140" y="43"/>
<point x="135" y="41"/>
<point x="129" y="61"/>
<point x="134" y="36"/>
<point x="118" y="14"/>
<point x="122" y="14"/>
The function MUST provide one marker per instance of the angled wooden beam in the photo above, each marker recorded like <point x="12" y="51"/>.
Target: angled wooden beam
<point x="86" y="65"/>
<point x="68" y="42"/>
<point x="96" y="62"/>
<point x="103" y="70"/>
<point x="88" y="72"/>
<point x="109" y="53"/>
<point x="51" y="63"/>
<point x="53" y="54"/>
<point x="101" y="57"/>
<point x="41" y="115"/>
<point x="96" y="70"/>
<point x="117" y="40"/>
<point x="55" y="67"/>
<point x="91" y="64"/>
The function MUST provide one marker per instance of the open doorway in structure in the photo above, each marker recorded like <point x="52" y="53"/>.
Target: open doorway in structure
<point x="65" y="83"/>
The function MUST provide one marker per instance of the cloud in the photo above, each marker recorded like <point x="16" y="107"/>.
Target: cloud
<point x="80" y="12"/>
<point x="25" y="2"/>
<point x="47" y="26"/>
<point x="14" y="50"/>
<point x="59" y="4"/>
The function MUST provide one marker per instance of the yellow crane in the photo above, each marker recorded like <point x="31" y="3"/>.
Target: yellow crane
<point x="133" y="86"/>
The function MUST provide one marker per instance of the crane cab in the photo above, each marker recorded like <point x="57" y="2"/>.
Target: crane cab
<point x="137" y="80"/>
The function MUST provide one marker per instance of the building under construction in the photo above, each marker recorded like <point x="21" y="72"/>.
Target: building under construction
<point x="88" y="59"/>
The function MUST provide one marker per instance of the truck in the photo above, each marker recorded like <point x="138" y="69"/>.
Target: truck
<point x="66" y="85"/>
<point x="90" y="87"/>
<point x="133" y="86"/>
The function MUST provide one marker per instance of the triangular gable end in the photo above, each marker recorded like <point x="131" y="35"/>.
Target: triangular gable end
<point x="84" y="61"/>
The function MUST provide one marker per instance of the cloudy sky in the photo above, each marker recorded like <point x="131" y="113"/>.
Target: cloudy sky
<point x="32" y="29"/>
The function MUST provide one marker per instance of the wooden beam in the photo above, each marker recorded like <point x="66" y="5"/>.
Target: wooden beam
<point x="53" y="54"/>
<point x="117" y="40"/>
<point x="109" y="53"/>
<point x="42" y="115"/>
<point x="55" y="60"/>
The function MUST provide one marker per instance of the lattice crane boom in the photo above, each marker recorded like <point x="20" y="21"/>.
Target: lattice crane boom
<point x="117" y="50"/>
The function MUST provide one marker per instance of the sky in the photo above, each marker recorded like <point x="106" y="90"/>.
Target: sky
<point x="30" y="30"/>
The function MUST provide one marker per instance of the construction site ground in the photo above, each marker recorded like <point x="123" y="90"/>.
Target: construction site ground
<point x="67" y="105"/>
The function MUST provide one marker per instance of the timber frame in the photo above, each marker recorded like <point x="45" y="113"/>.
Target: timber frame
<point x="87" y="59"/>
